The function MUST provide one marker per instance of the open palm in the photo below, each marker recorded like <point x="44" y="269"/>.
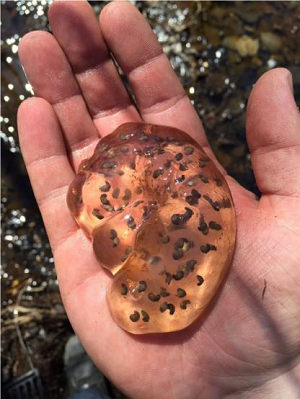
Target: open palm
<point x="248" y="342"/>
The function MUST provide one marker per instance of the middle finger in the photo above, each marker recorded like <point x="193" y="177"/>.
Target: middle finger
<point x="78" y="33"/>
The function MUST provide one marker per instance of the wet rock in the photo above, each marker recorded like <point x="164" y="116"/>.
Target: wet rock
<point x="271" y="41"/>
<point x="216" y="83"/>
<point x="230" y="42"/>
<point x="295" y="70"/>
<point x="212" y="34"/>
<point x="248" y="13"/>
<point x="246" y="45"/>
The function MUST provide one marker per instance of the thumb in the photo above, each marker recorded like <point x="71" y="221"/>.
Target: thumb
<point x="273" y="134"/>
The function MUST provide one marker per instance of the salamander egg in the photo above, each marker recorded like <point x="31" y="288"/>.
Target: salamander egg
<point x="161" y="219"/>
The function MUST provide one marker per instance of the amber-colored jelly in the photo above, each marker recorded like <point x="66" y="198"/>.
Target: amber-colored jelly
<point x="161" y="219"/>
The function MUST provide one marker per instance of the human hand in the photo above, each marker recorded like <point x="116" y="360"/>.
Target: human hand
<point x="247" y="344"/>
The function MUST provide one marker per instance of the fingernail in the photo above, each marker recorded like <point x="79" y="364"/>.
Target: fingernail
<point x="290" y="82"/>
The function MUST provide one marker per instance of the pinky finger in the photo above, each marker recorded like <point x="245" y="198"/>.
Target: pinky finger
<point x="48" y="166"/>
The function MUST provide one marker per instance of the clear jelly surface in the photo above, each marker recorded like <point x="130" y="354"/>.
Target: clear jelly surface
<point x="161" y="219"/>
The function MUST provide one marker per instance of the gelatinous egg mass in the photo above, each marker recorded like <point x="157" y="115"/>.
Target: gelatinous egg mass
<point x="161" y="219"/>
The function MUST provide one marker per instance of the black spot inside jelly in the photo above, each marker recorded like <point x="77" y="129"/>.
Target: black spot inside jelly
<point x="203" y="178"/>
<point x="124" y="289"/>
<point x="203" y="226"/>
<point x="127" y="194"/>
<point x="215" y="226"/>
<point x="135" y="316"/>
<point x="168" y="306"/>
<point x="184" y="304"/>
<point x="171" y="308"/>
<point x="180" y="243"/>
<point x="165" y="239"/>
<point x="131" y="223"/>
<point x="164" y="293"/>
<point x="203" y="162"/>
<point x="104" y="199"/>
<point x="177" y="254"/>
<point x="113" y="234"/>
<point x="116" y="242"/>
<point x="153" y="297"/>
<point x="137" y="203"/>
<point x="146" y="213"/>
<point x="180" y="179"/>
<point x="218" y="182"/>
<point x="105" y="187"/>
<point x="158" y="139"/>
<point x="157" y="173"/>
<point x="179" y="156"/>
<point x="188" y="150"/>
<point x="163" y="307"/>
<point x="142" y="286"/>
<point x="183" y="167"/>
<point x="214" y="204"/>
<point x="97" y="213"/>
<point x="177" y="219"/>
<point x="168" y="278"/>
<point x="180" y="219"/>
<point x="190" y="264"/>
<point x="145" y="316"/>
<point x="110" y="164"/>
<point x="193" y="199"/>
<point x="207" y="247"/>
<point x="200" y="280"/>
<point x="179" y="275"/>
<point x="195" y="193"/>
<point x="181" y="292"/>
<point x="168" y="164"/>
<point x="115" y="193"/>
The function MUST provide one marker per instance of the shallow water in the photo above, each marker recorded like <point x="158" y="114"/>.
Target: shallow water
<point x="218" y="50"/>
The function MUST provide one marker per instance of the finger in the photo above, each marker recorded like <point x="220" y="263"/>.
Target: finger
<point x="51" y="76"/>
<point x="78" y="32"/>
<point x="48" y="166"/>
<point x="273" y="134"/>
<point x="159" y="94"/>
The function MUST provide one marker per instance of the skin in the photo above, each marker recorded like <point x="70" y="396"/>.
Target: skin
<point x="247" y="345"/>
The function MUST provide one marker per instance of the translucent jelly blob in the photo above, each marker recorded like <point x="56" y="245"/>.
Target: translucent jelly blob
<point x="161" y="219"/>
